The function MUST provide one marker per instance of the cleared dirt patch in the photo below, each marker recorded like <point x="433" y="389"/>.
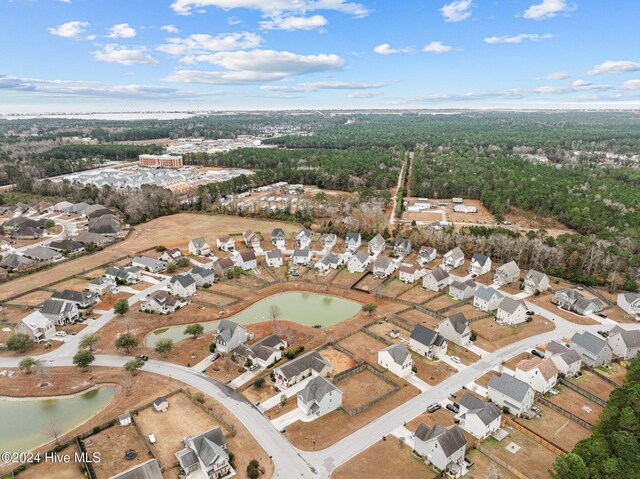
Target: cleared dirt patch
<point x="432" y="372"/>
<point x="59" y="470"/>
<point x="383" y="329"/>
<point x="76" y="284"/>
<point x="339" y="361"/>
<point x="577" y="404"/>
<point x="395" y="288"/>
<point x="361" y="388"/>
<point x="369" y="283"/>
<point x="417" y="294"/>
<point x="492" y="336"/>
<point x="421" y="318"/>
<point x="363" y="346"/>
<point x="32" y="299"/>
<point x="556" y="428"/>
<point x="593" y="384"/>
<point x="441" y="302"/>
<point x="468" y="357"/>
<point x="344" y="278"/>
<point x="468" y="310"/>
<point x="485" y="467"/>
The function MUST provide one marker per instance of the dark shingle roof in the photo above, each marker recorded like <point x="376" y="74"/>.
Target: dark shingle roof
<point x="509" y="386"/>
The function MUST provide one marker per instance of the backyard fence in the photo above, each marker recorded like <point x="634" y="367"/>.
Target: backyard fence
<point x="496" y="459"/>
<point x="566" y="413"/>
<point x="603" y="377"/>
<point x="537" y="438"/>
<point x="582" y="392"/>
<point x="355" y="370"/>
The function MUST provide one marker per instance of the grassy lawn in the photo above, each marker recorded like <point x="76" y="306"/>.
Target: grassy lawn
<point x="493" y="336"/>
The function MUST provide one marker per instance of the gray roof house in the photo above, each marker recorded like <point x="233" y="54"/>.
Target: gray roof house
<point x="202" y="276"/>
<point x="462" y="290"/>
<point x="264" y="352"/>
<point x="67" y="245"/>
<point x="161" y="302"/>
<point x="571" y="300"/>
<point x="507" y="273"/>
<point x="274" y="258"/>
<point x="296" y="370"/>
<point x="594" y="350"/>
<point x="148" y="264"/>
<point x="319" y="397"/>
<point x="511" y="311"/>
<point x="302" y="256"/>
<point x="630" y="304"/>
<point x="443" y="447"/>
<point x="40" y="253"/>
<point x="625" y="344"/>
<point x="330" y="260"/>
<point x="278" y="238"/>
<point x="383" y="267"/>
<point x="455" y="329"/>
<point x="535" y="282"/>
<point x="480" y="264"/>
<point x="402" y="246"/>
<point x="506" y="390"/>
<point x="453" y="259"/>
<point x="487" y="299"/>
<point x="377" y="244"/>
<point x="147" y="470"/>
<point x="206" y="452"/>
<point x="427" y="342"/>
<point x="566" y="360"/>
<point x="358" y="263"/>
<point x="477" y="417"/>
<point x="352" y="241"/>
<point x="79" y="298"/>
<point x="436" y="279"/>
<point x="183" y="285"/>
<point x="60" y="312"/>
<point x="230" y="335"/>
<point x="15" y="262"/>
<point x="329" y="240"/>
<point x="397" y="359"/>
<point x="95" y="238"/>
<point x="303" y="238"/>
<point x="199" y="247"/>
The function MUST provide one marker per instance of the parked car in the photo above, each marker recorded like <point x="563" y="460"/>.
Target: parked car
<point x="469" y="463"/>
<point x="254" y="367"/>
<point x="604" y="334"/>
<point x="143" y="357"/>
<point x="453" y="407"/>
<point x="215" y="356"/>
<point x="61" y="334"/>
<point x="535" y="352"/>
<point x="456" y="359"/>
<point x="602" y="315"/>
<point x="530" y="313"/>
<point x="434" y="407"/>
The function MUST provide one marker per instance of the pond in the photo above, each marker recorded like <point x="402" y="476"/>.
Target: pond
<point x="27" y="423"/>
<point x="309" y="309"/>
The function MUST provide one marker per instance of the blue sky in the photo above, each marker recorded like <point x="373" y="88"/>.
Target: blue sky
<point x="104" y="55"/>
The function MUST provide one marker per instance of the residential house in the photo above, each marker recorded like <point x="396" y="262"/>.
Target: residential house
<point x="221" y="266"/>
<point x="594" y="350"/>
<point x="129" y="275"/>
<point x="624" y="344"/>
<point x="81" y="299"/>
<point x="436" y="279"/>
<point x="453" y="259"/>
<point x="160" y="404"/>
<point x="16" y="262"/>
<point x="402" y="247"/>
<point x="148" y="264"/>
<point x="535" y="282"/>
<point x="479" y="418"/>
<point x="571" y="300"/>
<point x="226" y="243"/>
<point x="182" y="285"/>
<point x="311" y="363"/>
<point x="302" y="256"/>
<point x="60" y="312"/>
<point x="487" y="299"/>
<point x="202" y="276"/>
<point x="26" y="233"/>
<point x="199" y="247"/>
<point x="303" y="238"/>
<point x="383" y="267"/>
<point x="480" y="264"/>
<point x="630" y="304"/>
<point x="161" y="302"/>
<point x="274" y="258"/>
<point x="540" y="374"/>
<point x="329" y="240"/>
<point x="60" y="207"/>
<point x="377" y="244"/>
<point x="410" y="273"/>
<point x="319" y="397"/>
<point x="108" y="225"/>
<point x="278" y="238"/>
<point x="125" y="419"/>
<point x="205" y="455"/>
<point x="507" y="391"/>
<point x="247" y="260"/>
<point x="171" y="255"/>
<point x="511" y="311"/>
<point x="230" y="335"/>
<point x="67" y="246"/>
<point x="75" y="208"/>
<point x="507" y="273"/>
<point x="147" y="470"/>
<point x="397" y="359"/>
<point x="92" y="238"/>
<point x="455" y="329"/>
<point x="462" y="290"/>
<point x="328" y="261"/>
<point x="352" y="242"/>
<point x="42" y="254"/>
<point x="566" y="360"/>
<point x="264" y="353"/>
<point x="427" y="343"/>
<point x="426" y="254"/>
<point x="251" y="239"/>
<point x="102" y="285"/>
<point x="358" y="263"/>
<point x="443" y="447"/>
<point x="37" y="326"/>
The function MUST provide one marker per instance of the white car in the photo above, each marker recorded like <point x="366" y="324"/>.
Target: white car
<point x="61" y="334"/>
<point x="456" y="359"/>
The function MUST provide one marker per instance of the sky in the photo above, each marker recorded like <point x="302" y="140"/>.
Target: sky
<point x="148" y="55"/>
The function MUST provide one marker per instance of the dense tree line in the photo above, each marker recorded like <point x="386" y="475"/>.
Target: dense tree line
<point x="613" y="451"/>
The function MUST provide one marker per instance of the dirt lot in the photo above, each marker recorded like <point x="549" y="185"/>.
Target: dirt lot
<point x="111" y="444"/>
<point x="363" y="346"/>
<point x="108" y="300"/>
<point x="441" y="302"/>
<point x="339" y="361"/>
<point x="59" y="470"/>
<point x="556" y="428"/>
<point x="76" y="284"/>
<point x="13" y="314"/>
<point x="485" y="467"/>
<point x="383" y="460"/>
<point x="469" y="311"/>
<point x="532" y="459"/>
<point x="617" y="372"/>
<point x="432" y="372"/>
<point x="493" y="336"/>
<point x="421" y="318"/>
<point x="361" y="388"/>
<point x="529" y="219"/>
<point x="482" y="216"/>
<point x="418" y="294"/>
<point x="383" y="330"/>
<point x="468" y="357"/>
<point x="442" y="416"/>
<point x="369" y="283"/>
<point x="344" y="278"/>
<point x="395" y="288"/>
<point x="574" y="402"/>
<point x="32" y="299"/>
<point x="593" y="384"/>
<point x="513" y="362"/>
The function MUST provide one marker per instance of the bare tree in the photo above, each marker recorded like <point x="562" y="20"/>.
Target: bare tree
<point x="126" y="382"/>
<point x="42" y="373"/>
<point x="53" y="431"/>
<point x="275" y="313"/>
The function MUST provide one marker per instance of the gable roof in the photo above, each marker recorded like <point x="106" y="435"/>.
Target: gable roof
<point x="274" y="254"/>
<point x="480" y="258"/>
<point x="486" y="293"/>
<point x="398" y="352"/>
<point x="631" y="339"/>
<point x="361" y="256"/>
<point x="462" y="285"/>
<point x="438" y="274"/>
<point x="248" y="255"/>
<point x="382" y="262"/>
<point x="554" y="347"/>
<point x="451" y="439"/>
<point x="545" y="366"/>
<point x="590" y="342"/>
<point x="185" y="280"/>
<point x="198" y="242"/>
<point x="311" y="360"/>
<point x="208" y="445"/>
<point x="316" y="389"/>
<point x="147" y="470"/>
<point x="66" y="245"/>
<point x="425" y="336"/>
<point x="509" y="386"/>
<point x="277" y="233"/>
<point x="352" y="237"/>
<point x="306" y="252"/>
<point x="42" y="253"/>
<point x="377" y="240"/>
<point x="227" y="329"/>
<point x="509" y="268"/>
<point x="55" y="308"/>
<point x="486" y="412"/>
<point x="459" y="322"/>
<point x="535" y="277"/>
<point x="511" y="305"/>
<point x="36" y="320"/>
<point x="455" y="253"/>
<point x="13" y="261"/>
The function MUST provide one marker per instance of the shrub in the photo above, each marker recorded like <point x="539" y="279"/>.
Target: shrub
<point x="258" y="383"/>
<point x="198" y="397"/>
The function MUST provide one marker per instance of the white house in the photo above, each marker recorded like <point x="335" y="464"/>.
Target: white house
<point x="311" y="363"/>
<point x="436" y="279"/>
<point x="465" y="209"/>
<point x="507" y="391"/>
<point x="301" y="256"/>
<point x="274" y="258"/>
<point x="199" y="247"/>
<point x="540" y="374"/>
<point x="462" y="290"/>
<point x="507" y="273"/>
<point x="624" y="344"/>
<point x="566" y="360"/>
<point x="426" y="254"/>
<point x="453" y="259"/>
<point x="247" y="260"/>
<point x="511" y="311"/>
<point x="455" y="329"/>
<point x="427" y="343"/>
<point x="352" y="242"/>
<point x="171" y="255"/>
<point x="319" y="397"/>
<point x="383" y="267"/>
<point x="377" y="244"/>
<point x="358" y="263"/>
<point x="487" y="299"/>
<point x="37" y="326"/>
<point x="303" y="238"/>
<point x="572" y="300"/>
<point x="82" y="299"/>
<point x="480" y="264"/>
<point x="535" y="282"/>
<point x="443" y="447"/>
<point x="328" y="240"/>
<point x="328" y="261"/>
<point x="251" y="239"/>
<point x="230" y="335"/>
<point x="410" y="273"/>
<point x="402" y="247"/>
<point x="397" y="359"/>
<point x="129" y="275"/>
<point x="226" y="243"/>
<point x="264" y="353"/>
<point x="162" y="302"/>
<point x="278" y="238"/>
<point x="182" y="285"/>
<point x="204" y="456"/>
<point x="479" y="418"/>
<point x="102" y="285"/>
<point x="148" y="264"/>
<point x="60" y="312"/>
<point x="630" y="304"/>
<point x="202" y="276"/>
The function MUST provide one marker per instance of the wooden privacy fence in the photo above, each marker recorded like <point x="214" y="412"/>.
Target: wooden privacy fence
<point x="566" y="413"/>
<point x="533" y="435"/>
<point x="496" y="459"/>
<point x="582" y="392"/>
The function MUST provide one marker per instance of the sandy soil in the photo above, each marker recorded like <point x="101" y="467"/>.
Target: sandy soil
<point x="556" y="428"/>
<point x="574" y="402"/>
<point x="339" y="361"/>
<point x="361" y="388"/>
<point x="59" y="470"/>
<point x="493" y="336"/>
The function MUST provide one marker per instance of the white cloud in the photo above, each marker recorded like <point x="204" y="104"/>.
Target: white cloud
<point x="385" y="49"/>
<point x="534" y="37"/>
<point x="65" y="1"/>
<point x="201" y="43"/>
<point x="631" y="85"/>
<point x="124" y="55"/>
<point x="70" y="29"/>
<point x="438" y="47"/>
<point x="322" y="85"/>
<point x="121" y="30"/>
<point x="610" y="66"/>
<point x="284" y="89"/>
<point x="233" y="21"/>
<point x="169" y="28"/>
<point x="457" y="11"/>
<point x="587" y="85"/>
<point x="270" y="7"/>
<point x="548" y="9"/>
<point x="244" y="67"/>
<point x="556" y="76"/>
<point x="293" y="23"/>
<point x="363" y="94"/>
